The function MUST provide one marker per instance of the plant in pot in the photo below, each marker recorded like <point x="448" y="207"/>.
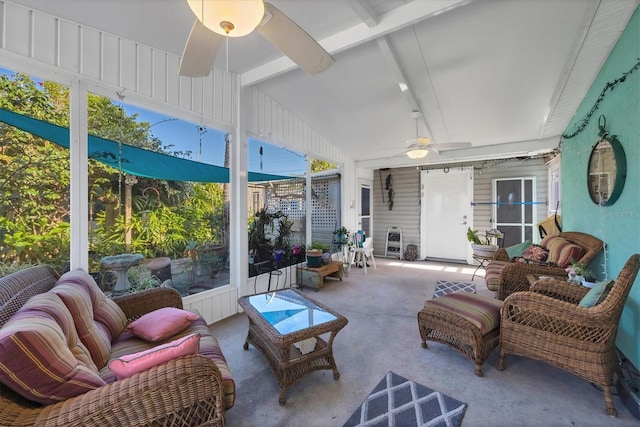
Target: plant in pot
<point x="315" y="254"/>
<point x="481" y="245"/>
<point x="340" y="235"/>
<point x="580" y="273"/>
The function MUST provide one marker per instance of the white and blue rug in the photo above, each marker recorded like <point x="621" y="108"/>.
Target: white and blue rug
<point x="397" y="401"/>
<point x="444" y="287"/>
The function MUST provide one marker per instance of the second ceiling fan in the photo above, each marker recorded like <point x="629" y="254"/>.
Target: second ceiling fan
<point x="420" y="146"/>
<point x="218" y="19"/>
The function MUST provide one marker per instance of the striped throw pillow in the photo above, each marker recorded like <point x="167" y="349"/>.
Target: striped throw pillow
<point x="41" y="355"/>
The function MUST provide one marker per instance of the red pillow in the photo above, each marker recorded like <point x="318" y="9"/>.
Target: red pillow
<point x="161" y="324"/>
<point x="129" y="364"/>
<point x="535" y="253"/>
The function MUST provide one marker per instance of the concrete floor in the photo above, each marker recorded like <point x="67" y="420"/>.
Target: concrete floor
<point x="382" y="335"/>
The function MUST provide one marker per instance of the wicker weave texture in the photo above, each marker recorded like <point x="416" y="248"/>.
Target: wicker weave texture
<point x="183" y="392"/>
<point x="286" y="361"/>
<point x="444" y="326"/>
<point x="514" y="275"/>
<point x="548" y="325"/>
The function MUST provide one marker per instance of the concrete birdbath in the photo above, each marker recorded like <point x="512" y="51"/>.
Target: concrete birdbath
<point x="121" y="264"/>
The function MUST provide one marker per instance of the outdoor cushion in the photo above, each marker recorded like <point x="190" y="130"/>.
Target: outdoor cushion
<point x="41" y="356"/>
<point x="127" y="343"/>
<point x="98" y="319"/>
<point x="562" y="251"/>
<point x="482" y="312"/>
<point x="517" y="250"/>
<point x="127" y="365"/>
<point x="162" y="324"/>
<point x="597" y="293"/>
<point x="535" y="253"/>
<point x="492" y="274"/>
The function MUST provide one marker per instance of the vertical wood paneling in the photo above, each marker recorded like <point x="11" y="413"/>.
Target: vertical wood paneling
<point x="128" y="65"/>
<point x="45" y="47"/>
<point x="110" y="60"/>
<point x="91" y="53"/>
<point x="69" y="46"/>
<point x="174" y="81"/>
<point x="159" y="76"/>
<point x="17" y="29"/>
<point x="144" y="78"/>
<point x="196" y="96"/>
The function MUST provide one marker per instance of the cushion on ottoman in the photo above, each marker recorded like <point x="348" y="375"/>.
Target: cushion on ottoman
<point x="482" y="312"/>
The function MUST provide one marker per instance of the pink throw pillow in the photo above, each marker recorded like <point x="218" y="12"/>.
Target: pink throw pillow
<point x="162" y="324"/>
<point x="129" y="364"/>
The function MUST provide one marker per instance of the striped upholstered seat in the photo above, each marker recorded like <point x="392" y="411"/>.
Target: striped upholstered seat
<point x="467" y="322"/>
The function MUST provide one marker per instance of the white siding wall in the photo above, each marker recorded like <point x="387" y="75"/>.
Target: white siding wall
<point x="406" y="207"/>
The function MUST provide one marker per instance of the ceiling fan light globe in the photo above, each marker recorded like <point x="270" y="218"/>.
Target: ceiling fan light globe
<point x="417" y="153"/>
<point x="245" y="15"/>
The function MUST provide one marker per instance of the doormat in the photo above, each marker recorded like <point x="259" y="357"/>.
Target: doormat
<point x="444" y="287"/>
<point x="397" y="401"/>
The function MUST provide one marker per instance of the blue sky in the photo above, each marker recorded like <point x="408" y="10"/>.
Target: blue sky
<point x="208" y="147"/>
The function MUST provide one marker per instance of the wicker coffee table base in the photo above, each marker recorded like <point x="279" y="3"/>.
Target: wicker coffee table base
<point x="448" y="328"/>
<point x="288" y="363"/>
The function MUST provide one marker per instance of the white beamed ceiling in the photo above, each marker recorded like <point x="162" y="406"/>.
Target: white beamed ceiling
<point x="506" y="76"/>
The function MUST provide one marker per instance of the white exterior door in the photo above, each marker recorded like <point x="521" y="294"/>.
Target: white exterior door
<point x="445" y="214"/>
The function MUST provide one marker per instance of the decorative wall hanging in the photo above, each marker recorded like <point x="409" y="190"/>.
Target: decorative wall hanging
<point x="389" y="187"/>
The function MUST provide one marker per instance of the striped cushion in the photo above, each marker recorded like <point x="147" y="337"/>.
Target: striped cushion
<point x="483" y="312"/>
<point x="98" y="319"/>
<point x="562" y="251"/>
<point x="492" y="274"/>
<point x="41" y="355"/>
<point x="127" y="343"/>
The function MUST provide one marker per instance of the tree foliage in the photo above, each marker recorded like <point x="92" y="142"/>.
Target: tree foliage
<point x="35" y="178"/>
<point x="321" y="165"/>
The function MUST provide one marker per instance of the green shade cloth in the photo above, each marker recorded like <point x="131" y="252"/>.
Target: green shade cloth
<point x="135" y="161"/>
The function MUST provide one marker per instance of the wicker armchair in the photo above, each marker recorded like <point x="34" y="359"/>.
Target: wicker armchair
<point x="547" y="324"/>
<point x="513" y="275"/>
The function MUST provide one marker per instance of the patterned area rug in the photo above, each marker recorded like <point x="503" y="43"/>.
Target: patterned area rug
<point x="444" y="287"/>
<point x="397" y="401"/>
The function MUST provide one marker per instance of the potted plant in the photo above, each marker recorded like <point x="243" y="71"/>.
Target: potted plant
<point x="340" y="235"/>
<point x="580" y="273"/>
<point x="314" y="257"/>
<point x="481" y="246"/>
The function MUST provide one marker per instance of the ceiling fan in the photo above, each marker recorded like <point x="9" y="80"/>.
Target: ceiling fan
<point x="420" y="146"/>
<point x="218" y="19"/>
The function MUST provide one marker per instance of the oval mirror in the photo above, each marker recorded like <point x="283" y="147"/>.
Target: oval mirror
<point x="606" y="172"/>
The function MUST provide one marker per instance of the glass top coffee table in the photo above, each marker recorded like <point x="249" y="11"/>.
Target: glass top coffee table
<point x="283" y="326"/>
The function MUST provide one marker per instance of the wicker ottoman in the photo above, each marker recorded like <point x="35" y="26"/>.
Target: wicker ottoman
<point x="468" y="322"/>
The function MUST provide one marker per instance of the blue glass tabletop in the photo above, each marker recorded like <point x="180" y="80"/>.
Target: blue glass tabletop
<point x="288" y="311"/>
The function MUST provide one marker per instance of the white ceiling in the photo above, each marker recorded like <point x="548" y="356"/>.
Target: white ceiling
<point x="506" y="76"/>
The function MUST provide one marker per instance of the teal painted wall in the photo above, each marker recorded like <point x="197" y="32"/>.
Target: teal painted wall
<point x="617" y="225"/>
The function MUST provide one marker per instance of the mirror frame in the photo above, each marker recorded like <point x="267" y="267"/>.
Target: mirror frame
<point x="620" y="171"/>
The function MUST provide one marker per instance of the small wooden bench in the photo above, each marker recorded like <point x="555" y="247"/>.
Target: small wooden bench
<point x="314" y="277"/>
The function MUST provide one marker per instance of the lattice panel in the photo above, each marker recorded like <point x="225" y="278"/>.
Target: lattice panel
<point x="289" y="197"/>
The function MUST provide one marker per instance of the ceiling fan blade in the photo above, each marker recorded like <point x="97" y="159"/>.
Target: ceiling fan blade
<point x="293" y="41"/>
<point x="200" y="51"/>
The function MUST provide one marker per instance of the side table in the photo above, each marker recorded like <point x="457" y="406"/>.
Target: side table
<point x="483" y="260"/>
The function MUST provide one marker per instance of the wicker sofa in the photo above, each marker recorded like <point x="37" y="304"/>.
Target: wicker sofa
<point x="191" y="390"/>
<point x="506" y="277"/>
